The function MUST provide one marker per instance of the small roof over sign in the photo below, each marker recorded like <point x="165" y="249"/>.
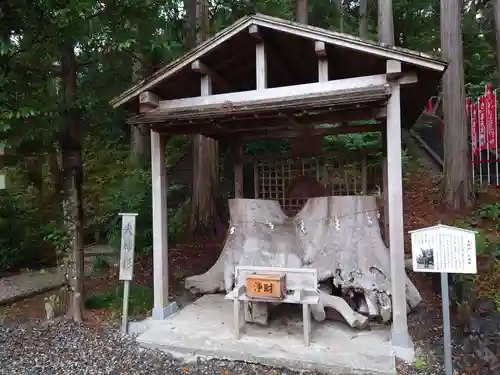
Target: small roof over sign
<point x="442" y="226"/>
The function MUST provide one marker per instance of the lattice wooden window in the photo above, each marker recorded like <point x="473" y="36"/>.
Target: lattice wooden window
<point x="346" y="176"/>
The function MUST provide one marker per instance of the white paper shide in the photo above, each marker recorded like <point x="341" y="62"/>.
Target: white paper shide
<point x="442" y="248"/>
<point x="127" y="246"/>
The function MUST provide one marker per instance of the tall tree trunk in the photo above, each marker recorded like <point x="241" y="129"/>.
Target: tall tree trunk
<point x="204" y="217"/>
<point x="363" y="19"/>
<point x="457" y="180"/>
<point x="301" y="11"/>
<point x="340" y="6"/>
<point x="385" y="22"/>
<point x="496" y="14"/>
<point x="140" y="139"/>
<point x="72" y="176"/>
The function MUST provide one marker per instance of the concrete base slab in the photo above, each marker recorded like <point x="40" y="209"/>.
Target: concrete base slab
<point x="205" y="329"/>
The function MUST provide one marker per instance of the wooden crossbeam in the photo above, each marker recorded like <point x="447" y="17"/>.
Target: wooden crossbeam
<point x="226" y="101"/>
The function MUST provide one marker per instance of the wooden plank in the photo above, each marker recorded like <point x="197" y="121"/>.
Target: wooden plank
<point x="309" y="298"/>
<point x="229" y="100"/>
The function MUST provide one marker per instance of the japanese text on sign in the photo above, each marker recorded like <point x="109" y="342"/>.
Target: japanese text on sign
<point x="259" y="287"/>
<point x="127" y="246"/>
<point x="444" y="249"/>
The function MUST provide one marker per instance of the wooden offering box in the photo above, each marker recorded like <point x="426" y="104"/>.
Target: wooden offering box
<point x="266" y="286"/>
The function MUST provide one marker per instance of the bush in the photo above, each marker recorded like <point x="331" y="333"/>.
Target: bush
<point x="133" y="194"/>
<point x="22" y="240"/>
<point x="140" y="299"/>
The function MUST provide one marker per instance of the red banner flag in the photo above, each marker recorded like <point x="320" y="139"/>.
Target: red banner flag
<point x="429" y="105"/>
<point x="474" y="129"/>
<point x="482" y="124"/>
<point x="491" y="126"/>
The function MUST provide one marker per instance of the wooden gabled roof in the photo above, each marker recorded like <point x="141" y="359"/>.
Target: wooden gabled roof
<point x="355" y="57"/>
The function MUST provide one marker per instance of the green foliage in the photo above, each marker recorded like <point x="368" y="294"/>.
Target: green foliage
<point x="352" y="142"/>
<point x="100" y="264"/>
<point x="140" y="299"/>
<point x="489" y="211"/>
<point x="267" y="146"/>
<point x="132" y="194"/>
<point x="483" y="243"/>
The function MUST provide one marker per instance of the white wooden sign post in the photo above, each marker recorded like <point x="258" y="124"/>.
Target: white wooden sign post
<point x="3" y="177"/>
<point x="444" y="249"/>
<point x="127" y="261"/>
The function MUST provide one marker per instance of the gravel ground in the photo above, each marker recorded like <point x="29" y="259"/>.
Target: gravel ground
<point x="63" y="347"/>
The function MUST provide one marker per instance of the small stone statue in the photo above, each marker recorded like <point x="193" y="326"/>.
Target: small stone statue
<point x="51" y="305"/>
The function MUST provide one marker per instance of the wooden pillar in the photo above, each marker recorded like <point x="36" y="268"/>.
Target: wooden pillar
<point x="256" y="182"/>
<point x="400" y="337"/>
<point x="160" y="227"/>
<point x="320" y="49"/>
<point x="385" y="191"/>
<point x="260" y="59"/>
<point x="238" y="171"/>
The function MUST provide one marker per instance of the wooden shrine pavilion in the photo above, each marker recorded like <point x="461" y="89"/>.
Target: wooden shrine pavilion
<point x="264" y="77"/>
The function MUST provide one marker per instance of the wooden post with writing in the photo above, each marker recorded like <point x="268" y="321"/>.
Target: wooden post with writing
<point x="127" y="261"/>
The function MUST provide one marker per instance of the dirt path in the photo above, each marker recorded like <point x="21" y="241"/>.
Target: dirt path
<point x="27" y="284"/>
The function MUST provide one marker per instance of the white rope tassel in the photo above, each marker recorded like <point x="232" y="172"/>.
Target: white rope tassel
<point x="370" y="222"/>
<point x="232" y="230"/>
<point x="271" y="225"/>
<point x="337" y="223"/>
<point x="378" y="214"/>
<point x="302" y="227"/>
